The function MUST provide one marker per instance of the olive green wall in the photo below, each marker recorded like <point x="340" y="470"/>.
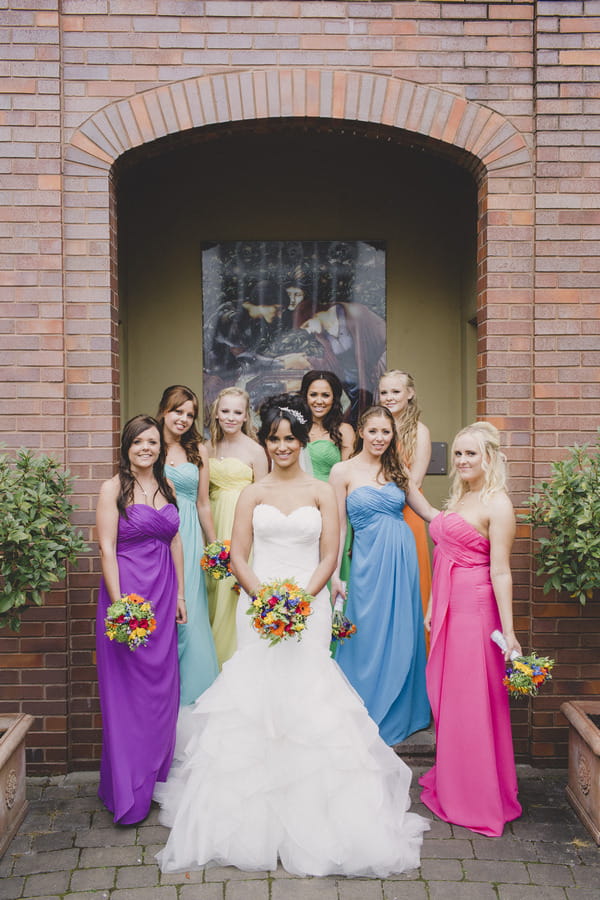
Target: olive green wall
<point x="301" y="186"/>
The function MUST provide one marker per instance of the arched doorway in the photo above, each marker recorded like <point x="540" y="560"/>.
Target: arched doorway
<point x="299" y="181"/>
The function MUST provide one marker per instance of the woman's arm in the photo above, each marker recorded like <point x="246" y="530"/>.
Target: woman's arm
<point x="422" y="456"/>
<point x="419" y="503"/>
<point x="177" y="554"/>
<point x="501" y="536"/>
<point x="339" y="483"/>
<point x="241" y="541"/>
<point x="202" y="499"/>
<point x="347" y="433"/>
<point x="329" y="543"/>
<point x="107" y="525"/>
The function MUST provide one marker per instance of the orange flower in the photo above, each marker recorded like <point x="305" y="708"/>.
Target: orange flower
<point x="303" y="608"/>
<point x="258" y="623"/>
<point x="278" y="631"/>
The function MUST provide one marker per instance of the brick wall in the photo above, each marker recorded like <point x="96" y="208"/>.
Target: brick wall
<point x="510" y="89"/>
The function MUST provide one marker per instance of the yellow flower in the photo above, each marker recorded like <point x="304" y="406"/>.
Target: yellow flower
<point x="269" y="618"/>
<point x="523" y="668"/>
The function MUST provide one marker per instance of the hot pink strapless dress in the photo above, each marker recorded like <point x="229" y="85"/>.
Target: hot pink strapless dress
<point x="473" y="782"/>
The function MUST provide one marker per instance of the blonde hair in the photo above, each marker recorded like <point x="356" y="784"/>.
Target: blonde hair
<point x="406" y="424"/>
<point x="216" y="432"/>
<point x="493" y="462"/>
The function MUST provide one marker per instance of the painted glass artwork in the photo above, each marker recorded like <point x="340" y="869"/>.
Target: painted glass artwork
<point x="275" y="309"/>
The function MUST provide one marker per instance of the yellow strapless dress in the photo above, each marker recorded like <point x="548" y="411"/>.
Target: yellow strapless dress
<point x="228" y="477"/>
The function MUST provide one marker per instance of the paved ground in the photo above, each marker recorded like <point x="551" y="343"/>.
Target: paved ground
<point x="68" y="848"/>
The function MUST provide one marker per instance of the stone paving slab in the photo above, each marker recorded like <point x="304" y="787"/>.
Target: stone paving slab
<point x="68" y="849"/>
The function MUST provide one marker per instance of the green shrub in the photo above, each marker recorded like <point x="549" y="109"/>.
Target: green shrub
<point x="567" y="506"/>
<point x="37" y="538"/>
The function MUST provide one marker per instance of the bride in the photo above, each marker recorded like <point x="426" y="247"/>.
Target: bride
<point x="279" y="759"/>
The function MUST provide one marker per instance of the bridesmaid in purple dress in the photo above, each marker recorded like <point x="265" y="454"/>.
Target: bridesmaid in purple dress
<point x="473" y="782"/>
<point x="137" y="523"/>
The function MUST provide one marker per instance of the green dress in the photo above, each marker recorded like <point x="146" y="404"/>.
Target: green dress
<point x="324" y="455"/>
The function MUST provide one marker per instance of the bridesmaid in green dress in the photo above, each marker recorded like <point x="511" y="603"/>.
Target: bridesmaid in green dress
<point x="187" y="468"/>
<point x="331" y="439"/>
<point x="235" y="461"/>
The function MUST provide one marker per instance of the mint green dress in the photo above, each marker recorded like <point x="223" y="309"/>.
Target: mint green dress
<point x="323" y="456"/>
<point x="198" y="666"/>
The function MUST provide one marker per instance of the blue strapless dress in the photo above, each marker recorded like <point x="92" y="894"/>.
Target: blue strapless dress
<point x="198" y="666"/>
<point x="385" y="660"/>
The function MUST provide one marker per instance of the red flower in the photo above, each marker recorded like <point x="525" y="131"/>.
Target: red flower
<point x="133" y="623"/>
<point x="223" y="554"/>
<point x="273" y="602"/>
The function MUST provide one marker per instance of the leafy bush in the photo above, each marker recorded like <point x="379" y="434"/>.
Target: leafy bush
<point x="36" y="535"/>
<point x="568" y="507"/>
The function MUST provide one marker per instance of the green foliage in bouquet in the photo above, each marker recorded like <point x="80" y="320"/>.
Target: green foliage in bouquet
<point x="37" y="538"/>
<point x="567" y="507"/>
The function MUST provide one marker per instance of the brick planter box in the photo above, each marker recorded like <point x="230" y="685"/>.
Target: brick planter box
<point x="583" y="788"/>
<point x="13" y="800"/>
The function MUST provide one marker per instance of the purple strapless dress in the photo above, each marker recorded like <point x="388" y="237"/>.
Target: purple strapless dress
<point x="139" y="691"/>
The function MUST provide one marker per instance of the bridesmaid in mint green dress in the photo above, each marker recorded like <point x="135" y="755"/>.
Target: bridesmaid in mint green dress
<point x="187" y="468"/>
<point x="331" y="439"/>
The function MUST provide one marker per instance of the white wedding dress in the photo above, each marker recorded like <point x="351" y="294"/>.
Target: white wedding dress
<point x="279" y="758"/>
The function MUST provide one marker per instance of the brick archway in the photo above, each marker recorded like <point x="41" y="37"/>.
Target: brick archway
<point x="476" y="136"/>
<point x="280" y="93"/>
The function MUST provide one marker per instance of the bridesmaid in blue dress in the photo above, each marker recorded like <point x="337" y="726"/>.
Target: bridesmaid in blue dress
<point x="385" y="660"/>
<point x="187" y="468"/>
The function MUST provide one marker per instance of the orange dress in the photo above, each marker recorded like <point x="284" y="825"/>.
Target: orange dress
<point x="417" y="526"/>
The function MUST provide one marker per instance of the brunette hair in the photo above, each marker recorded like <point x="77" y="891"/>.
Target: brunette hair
<point x="216" y="432"/>
<point x="406" y="425"/>
<point x="131" y="430"/>
<point x="493" y="463"/>
<point x="391" y="465"/>
<point x="290" y="407"/>
<point x="171" y="399"/>
<point x="333" y="419"/>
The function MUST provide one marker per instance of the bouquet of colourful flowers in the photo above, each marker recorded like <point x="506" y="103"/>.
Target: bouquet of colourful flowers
<point x="216" y="559"/>
<point x="341" y="627"/>
<point x="130" y="621"/>
<point x="524" y="674"/>
<point x="280" y="610"/>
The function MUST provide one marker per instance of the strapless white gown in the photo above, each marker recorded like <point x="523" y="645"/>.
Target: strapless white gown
<point x="279" y="759"/>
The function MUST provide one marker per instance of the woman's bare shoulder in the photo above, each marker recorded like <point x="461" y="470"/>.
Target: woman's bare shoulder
<point x="110" y="488"/>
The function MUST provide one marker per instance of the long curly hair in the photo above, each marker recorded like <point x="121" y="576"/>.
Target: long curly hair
<point x="333" y="419"/>
<point x="406" y="424"/>
<point x="216" y="432"/>
<point x="392" y="468"/>
<point x="493" y="463"/>
<point x="290" y="407"/>
<point x="131" y="430"/>
<point x="171" y="399"/>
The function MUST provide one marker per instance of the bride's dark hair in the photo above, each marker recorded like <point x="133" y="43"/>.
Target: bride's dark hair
<point x="290" y="407"/>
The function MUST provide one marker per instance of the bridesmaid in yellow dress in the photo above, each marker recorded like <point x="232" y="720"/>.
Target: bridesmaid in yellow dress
<point x="235" y="461"/>
<point x="397" y="393"/>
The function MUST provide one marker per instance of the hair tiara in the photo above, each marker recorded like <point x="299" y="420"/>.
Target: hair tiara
<point x="294" y="412"/>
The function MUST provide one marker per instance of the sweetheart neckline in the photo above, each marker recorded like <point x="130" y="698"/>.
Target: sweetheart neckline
<point x="287" y="515"/>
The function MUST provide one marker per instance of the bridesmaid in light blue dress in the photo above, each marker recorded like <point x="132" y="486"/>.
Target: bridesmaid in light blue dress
<point x="385" y="660"/>
<point x="187" y="469"/>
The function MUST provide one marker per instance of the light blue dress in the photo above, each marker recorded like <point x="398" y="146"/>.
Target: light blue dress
<point x="198" y="666"/>
<point x="385" y="660"/>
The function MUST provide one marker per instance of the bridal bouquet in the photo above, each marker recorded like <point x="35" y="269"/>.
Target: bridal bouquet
<point x="524" y="674"/>
<point x="130" y="621"/>
<point x="280" y="610"/>
<point x="216" y="560"/>
<point x="341" y="627"/>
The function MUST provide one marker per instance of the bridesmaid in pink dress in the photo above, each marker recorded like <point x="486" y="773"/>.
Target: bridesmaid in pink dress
<point x="473" y="782"/>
